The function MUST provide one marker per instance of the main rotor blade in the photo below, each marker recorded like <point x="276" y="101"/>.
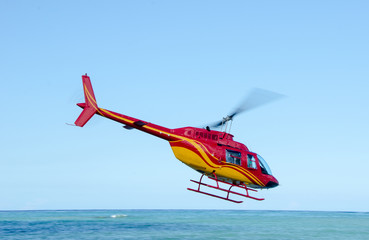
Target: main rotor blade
<point x="216" y="124"/>
<point x="256" y="98"/>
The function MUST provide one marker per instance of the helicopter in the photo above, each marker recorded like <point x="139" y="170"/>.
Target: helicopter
<point x="229" y="166"/>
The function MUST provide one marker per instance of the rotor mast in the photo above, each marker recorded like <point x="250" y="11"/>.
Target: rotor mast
<point x="226" y="124"/>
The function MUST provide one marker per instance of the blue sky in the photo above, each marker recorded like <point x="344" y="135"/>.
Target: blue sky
<point x="176" y="64"/>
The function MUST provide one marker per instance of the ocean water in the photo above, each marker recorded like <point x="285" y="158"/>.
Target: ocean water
<point x="182" y="224"/>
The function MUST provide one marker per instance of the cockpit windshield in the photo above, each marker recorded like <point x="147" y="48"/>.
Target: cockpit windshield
<point x="264" y="166"/>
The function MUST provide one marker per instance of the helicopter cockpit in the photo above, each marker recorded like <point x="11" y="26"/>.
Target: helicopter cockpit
<point x="265" y="169"/>
<point x="251" y="163"/>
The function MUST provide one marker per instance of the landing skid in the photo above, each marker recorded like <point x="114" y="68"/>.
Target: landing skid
<point x="228" y="191"/>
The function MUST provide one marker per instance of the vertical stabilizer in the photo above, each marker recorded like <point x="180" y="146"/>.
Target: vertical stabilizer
<point x="90" y="105"/>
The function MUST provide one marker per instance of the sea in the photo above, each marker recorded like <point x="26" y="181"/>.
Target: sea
<point x="183" y="224"/>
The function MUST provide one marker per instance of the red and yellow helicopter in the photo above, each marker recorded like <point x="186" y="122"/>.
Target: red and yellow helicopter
<point x="228" y="164"/>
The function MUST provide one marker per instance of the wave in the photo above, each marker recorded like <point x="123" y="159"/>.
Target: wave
<point x="118" y="216"/>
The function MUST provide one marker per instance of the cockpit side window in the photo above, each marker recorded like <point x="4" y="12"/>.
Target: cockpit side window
<point x="264" y="166"/>
<point x="251" y="163"/>
<point x="233" y="157"/>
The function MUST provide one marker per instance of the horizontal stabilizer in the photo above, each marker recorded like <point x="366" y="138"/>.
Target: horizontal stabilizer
<point x="85" y="115"/>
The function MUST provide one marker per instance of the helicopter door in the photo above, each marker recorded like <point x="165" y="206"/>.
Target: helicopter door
<point x="251" y="162"/>
<point x="233" y="157"/>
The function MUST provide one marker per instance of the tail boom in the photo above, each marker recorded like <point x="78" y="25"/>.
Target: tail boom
<point x="90" y="108"/>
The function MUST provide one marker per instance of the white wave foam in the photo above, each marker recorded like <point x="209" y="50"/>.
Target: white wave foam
<point x="118" y="216"/>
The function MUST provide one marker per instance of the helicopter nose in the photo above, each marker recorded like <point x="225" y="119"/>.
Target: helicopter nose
<point x="272" y="184"/>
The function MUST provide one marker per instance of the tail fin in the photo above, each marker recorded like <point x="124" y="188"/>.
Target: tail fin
<point x="89" y="106"/>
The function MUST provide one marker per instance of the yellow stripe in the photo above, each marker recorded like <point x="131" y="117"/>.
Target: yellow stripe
<point x="89" y="97"/>
<point x="246" y="172"/>
<point x="109" y="113"/>
<point x="86" y="90"/>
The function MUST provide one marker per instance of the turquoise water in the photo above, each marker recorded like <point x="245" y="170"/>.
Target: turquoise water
<point x="183" y="224"/>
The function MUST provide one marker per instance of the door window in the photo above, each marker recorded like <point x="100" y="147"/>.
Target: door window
<point x="233" y="157"/>
<point x="251" y="163"/>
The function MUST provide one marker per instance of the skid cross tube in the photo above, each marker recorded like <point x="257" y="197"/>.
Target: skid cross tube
<point x="215" y="178"/>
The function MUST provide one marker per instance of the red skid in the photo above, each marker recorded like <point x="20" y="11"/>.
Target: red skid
<point x="242" y="186"/>
<point x="212" y="195"/>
